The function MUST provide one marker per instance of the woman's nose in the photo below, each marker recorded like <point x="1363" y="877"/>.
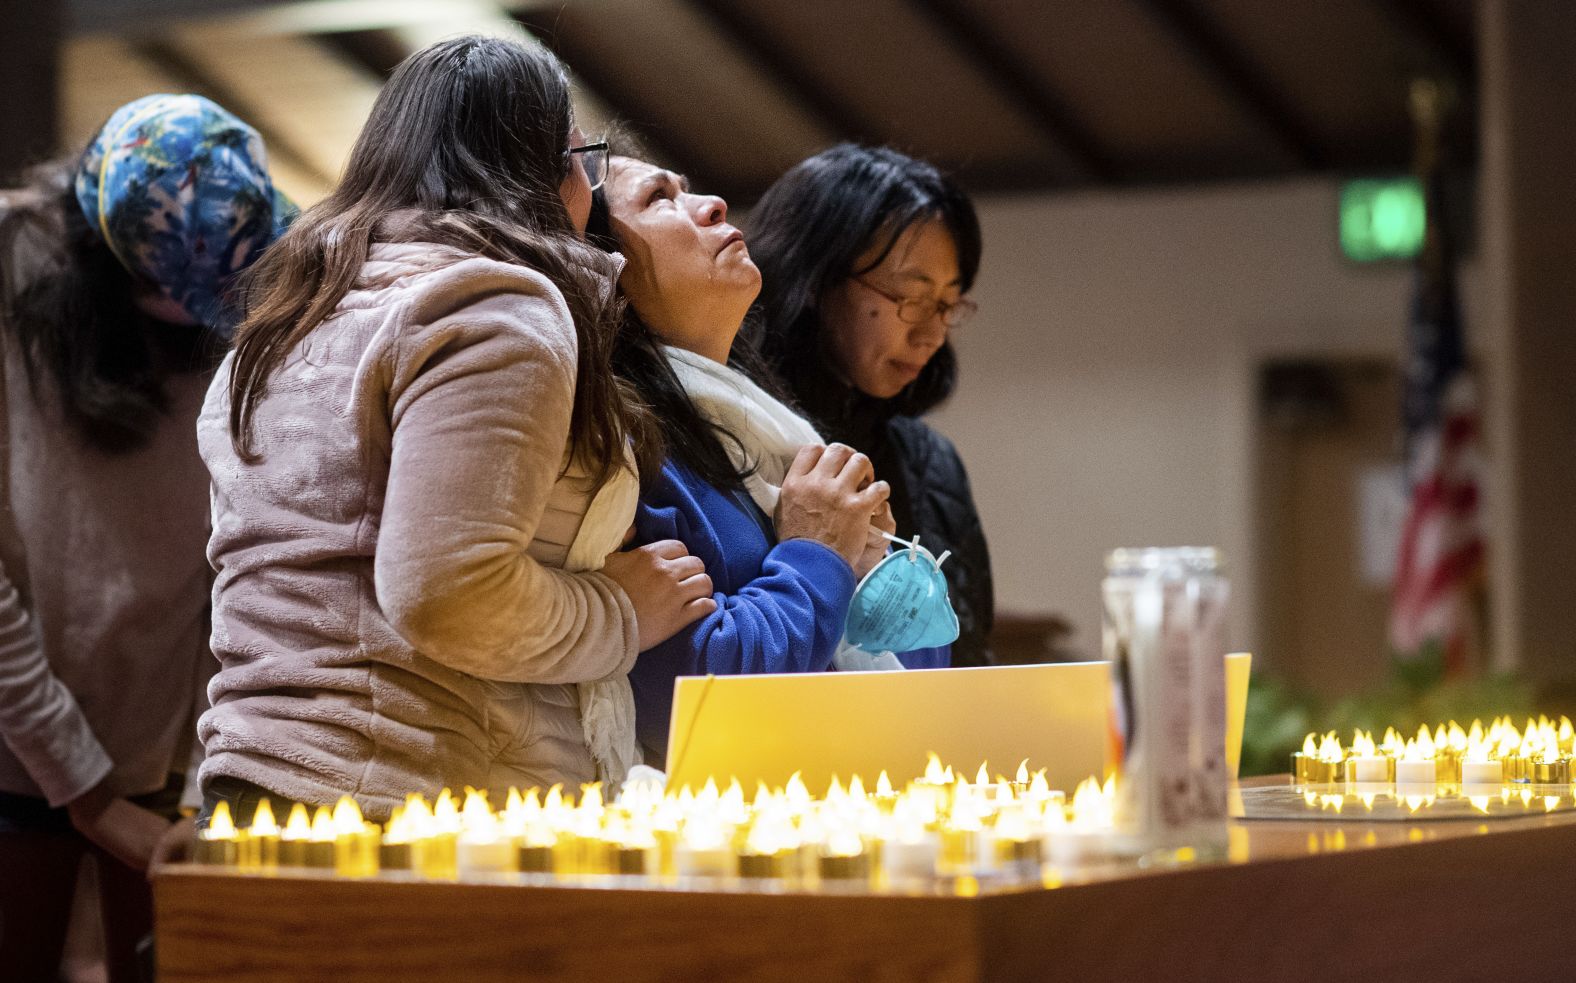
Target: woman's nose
<point x="710" y="210"/>
<point x="931" y="332"/>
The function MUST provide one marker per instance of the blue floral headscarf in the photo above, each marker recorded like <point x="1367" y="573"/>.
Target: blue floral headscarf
<point x="178" y="188"/>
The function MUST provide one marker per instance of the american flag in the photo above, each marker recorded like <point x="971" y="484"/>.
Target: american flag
<point x="1438" y="581"/>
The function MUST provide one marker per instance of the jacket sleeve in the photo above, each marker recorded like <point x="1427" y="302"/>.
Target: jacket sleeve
<point x="480" y="409"/>
<point x="787" y="619"/>
<point x="39" y="718"/>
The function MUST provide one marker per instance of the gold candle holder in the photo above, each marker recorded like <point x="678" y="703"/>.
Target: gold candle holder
<point x="1556" y="772"/>
<point x="537" y="859"/>
<point x="319" y="854"/>
<point x="437" y="856"/>
<point x="960" y="849"/>
<point x="633" y="860"/>
<point x="1517" y="768"/>
<point x="357" y="853"/>
<point x="567" y="853"/>
<point x="258" y="851"/>
<point x="394" y="856"/>
<point x="221" y="852"/>
<point x="1020" y="854"/>
<point x="763" y="866"/>
<point x="1300" y="770"/>
<point x="1311" y="770"/>
<point x="594" y="856"/>
<point x="839" y="870"/>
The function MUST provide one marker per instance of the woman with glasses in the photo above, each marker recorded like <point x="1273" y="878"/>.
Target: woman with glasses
<point x="785" y="524"/>
<point x="866" y="257"/>
<point x="421" y="472"/>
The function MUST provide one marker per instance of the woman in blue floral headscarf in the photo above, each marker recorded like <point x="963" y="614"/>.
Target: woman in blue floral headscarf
<point x="115" y="275"/>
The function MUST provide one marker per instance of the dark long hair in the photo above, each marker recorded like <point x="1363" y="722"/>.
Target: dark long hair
<point x="810" y="229"/>
<point x="467" y="142"/>
<point x="69" y="305"/>
<point x="686" y="436"/>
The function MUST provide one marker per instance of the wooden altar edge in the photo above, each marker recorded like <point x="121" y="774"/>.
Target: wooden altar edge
<point x="1480" y="903"/>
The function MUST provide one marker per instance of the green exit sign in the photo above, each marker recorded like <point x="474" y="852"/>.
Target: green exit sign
<point x="1382" y="219"/>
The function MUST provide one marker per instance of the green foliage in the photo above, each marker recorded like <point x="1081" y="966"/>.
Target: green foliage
<point x="1280" y="716"/>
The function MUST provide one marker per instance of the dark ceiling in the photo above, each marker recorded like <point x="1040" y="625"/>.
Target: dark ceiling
<point x="1038" y="94"/>
<point x="1010" y="94"/>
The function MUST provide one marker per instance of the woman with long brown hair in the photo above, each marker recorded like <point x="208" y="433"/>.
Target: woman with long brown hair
<point x="115" y="277"/>
<point x="420" y="461"/>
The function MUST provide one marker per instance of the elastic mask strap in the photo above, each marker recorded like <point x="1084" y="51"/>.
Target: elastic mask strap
<point x="916" y="549"/>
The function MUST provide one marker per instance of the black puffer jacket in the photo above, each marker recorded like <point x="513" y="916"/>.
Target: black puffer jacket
<point x="930" y="497"/>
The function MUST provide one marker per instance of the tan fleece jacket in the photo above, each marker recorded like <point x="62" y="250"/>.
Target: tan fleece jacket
<point x="388" y="615"/>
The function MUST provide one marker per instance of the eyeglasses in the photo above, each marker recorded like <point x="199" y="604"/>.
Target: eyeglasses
<point x="918" y="310"/>
<point x="593" y="158"/>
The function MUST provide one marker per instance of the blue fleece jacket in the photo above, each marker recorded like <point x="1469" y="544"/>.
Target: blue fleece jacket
<point x="780" y="606"/>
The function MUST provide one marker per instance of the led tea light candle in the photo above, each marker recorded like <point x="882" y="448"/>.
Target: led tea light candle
<point x="886" y="796"/>
<point x="910" y="852"/>
<point x="1415" y="770"/>
<point x="767" y="847"/>
<point x="1551" y="768"/>
<point x="934" y="789"/>
<point x="394" y="849"/>
<point x="295" y="838"/>
<point x="482" y="847"/>
<point x="436" y="855"/>
<point x="967" y="847"/>
<point x="635" y="855"/>
<point x="1017" y="849"/>
<point x="1481" y="775"/>
<point x="355" y="841"/>
<point x="259" y="849"/>
<point x="320" y="841"/>
<point x="1304" y="763"/>
<point x="703" y="849"/>
<point x="1365" y="766"/>
<point x="537" y="851"/>
<point x="1087" y="834"/>
<point x="843" y="862"/>
<point x="216" y="845"/>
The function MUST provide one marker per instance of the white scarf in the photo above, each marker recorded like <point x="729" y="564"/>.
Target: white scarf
<point x="769" y="436"/>
<point x="769" y="433"/>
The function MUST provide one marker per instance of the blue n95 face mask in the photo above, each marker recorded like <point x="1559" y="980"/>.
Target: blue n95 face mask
<point x="902" y="604"/>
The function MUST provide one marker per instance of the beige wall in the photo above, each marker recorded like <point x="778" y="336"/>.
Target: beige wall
<point x="1107" y="395"/>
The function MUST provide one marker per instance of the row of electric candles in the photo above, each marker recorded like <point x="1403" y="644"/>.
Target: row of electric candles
<point x="1449" y="756"/>
<point x="938" y="826"/>
<point x="1414" y="800"/>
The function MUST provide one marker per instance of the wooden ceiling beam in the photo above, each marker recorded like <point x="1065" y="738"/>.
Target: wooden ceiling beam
<point x="769" y="56"/>
<point x="1214" y="53"/>
<point x="169" y="60"/>
<point x="544" y="26"/>
<point x="1074" y="143"/>
<point x="377" y="51"/>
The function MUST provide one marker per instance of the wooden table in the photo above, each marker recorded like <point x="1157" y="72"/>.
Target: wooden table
<point x="1317" y="901"/>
